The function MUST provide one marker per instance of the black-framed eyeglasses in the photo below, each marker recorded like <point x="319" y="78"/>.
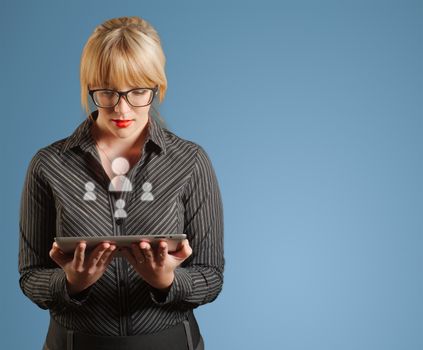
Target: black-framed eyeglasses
<point x="138" y="97"/>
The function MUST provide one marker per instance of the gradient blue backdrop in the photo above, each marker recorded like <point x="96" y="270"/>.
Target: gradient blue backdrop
<point x="312" y="114"/>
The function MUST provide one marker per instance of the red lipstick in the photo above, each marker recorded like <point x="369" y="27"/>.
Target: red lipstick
<point x="122" y="123"/>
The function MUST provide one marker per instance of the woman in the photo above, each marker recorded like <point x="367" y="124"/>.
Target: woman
<point x="142" y="298"/>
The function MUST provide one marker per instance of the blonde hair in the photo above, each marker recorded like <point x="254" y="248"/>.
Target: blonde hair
<point x="122" y="51"/>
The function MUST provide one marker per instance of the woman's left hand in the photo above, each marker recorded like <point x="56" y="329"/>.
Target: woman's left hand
<point x="157" y="266"/>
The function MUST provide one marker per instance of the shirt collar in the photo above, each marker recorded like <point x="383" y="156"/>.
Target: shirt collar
<point x="82" y="135"/>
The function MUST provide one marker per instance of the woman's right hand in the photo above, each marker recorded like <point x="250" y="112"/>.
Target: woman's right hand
<point x="82" y="271"/>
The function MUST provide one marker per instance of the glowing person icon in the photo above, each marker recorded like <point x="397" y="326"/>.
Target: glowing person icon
<point x="120" y="212"/>
<point x="120" y="183"/>
<point x="89" y="194"/>
<point x="147" y="196"/>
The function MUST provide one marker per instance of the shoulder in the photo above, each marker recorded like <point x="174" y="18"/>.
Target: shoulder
<point x="46" y="156"/>
<point x="178" y="147"/>
<point x="195" y="159"/>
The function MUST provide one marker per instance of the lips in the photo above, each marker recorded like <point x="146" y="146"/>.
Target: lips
<point x="122" y="123"/>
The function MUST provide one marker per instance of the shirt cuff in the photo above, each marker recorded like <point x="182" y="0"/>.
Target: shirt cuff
<point x="60" y="292"/>
<point x="180" y="289"/>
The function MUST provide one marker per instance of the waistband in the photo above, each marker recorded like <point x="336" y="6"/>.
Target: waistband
<point x="183" y="336"/>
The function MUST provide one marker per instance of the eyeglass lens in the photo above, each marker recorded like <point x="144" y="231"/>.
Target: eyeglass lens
<point x="137" y="98"/>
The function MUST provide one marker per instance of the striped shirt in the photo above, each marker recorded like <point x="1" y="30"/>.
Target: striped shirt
<point x="185" y="199"/>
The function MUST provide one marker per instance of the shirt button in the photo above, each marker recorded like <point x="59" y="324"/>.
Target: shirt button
<point x="119" y="221"/>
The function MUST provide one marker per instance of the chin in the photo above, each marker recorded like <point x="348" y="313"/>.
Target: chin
<point x="130" y="131"/>
<point x="122" y="134"/>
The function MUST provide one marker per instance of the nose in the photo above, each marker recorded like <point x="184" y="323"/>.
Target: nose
<point x="123" y="106"/>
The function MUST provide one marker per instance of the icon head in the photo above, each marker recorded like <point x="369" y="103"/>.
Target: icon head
<point x="147" y="187"/>
<point x="89" y="186"/>
<point x="120" y="203"/>
<point x="120" y="166"/>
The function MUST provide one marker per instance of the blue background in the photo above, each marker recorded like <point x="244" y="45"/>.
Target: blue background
<point x="312" y="114"/>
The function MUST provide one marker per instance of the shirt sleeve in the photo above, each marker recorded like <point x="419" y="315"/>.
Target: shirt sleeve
<point x="41" y="280"/>
<point x="199" y="279"/>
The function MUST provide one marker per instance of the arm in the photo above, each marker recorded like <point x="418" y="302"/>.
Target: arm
<point x="199" y="279"/>
<point x="41" y="280"/>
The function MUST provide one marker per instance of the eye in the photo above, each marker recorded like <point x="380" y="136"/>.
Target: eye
<point x="140" y="92"/>
<point x="106" y="93"/>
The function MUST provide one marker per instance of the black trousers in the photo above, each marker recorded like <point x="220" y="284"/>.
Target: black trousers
<point x="200" y="346"/>
<point x="183" y="336"/>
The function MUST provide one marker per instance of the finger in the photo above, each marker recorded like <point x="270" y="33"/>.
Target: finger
<point x="56" y="247"/>
<point x="161" y="253"/>
<point x="106" y="257"/>
<point x="147" y="251"/>
<point x="57" y="255"/>
<point x="184" y="250"/>
<point x="96" y="254"/>
<point x="127" y="253"/>
<point x="79" y="256"/>
<point x="110" y="258"/>
<point x="137" y="253"/>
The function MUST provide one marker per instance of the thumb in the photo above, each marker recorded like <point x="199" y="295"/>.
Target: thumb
<point x="184" y="251"/>
<point x="57" y="255"/>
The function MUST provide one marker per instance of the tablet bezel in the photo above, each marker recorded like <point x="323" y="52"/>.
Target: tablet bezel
<point x="68" y="244"/>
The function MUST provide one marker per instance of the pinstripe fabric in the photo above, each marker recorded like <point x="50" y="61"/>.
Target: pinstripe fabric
<point x="186" y="200"/>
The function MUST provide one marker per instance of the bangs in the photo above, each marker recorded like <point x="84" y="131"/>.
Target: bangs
<point x="119" y="65"/>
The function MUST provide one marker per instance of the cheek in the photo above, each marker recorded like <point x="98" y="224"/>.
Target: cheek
<point x="142" y="112"/>
<point x="104" y="113"/>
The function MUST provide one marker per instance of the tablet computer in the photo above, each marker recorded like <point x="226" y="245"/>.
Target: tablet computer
<point x="68" y="244"/>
